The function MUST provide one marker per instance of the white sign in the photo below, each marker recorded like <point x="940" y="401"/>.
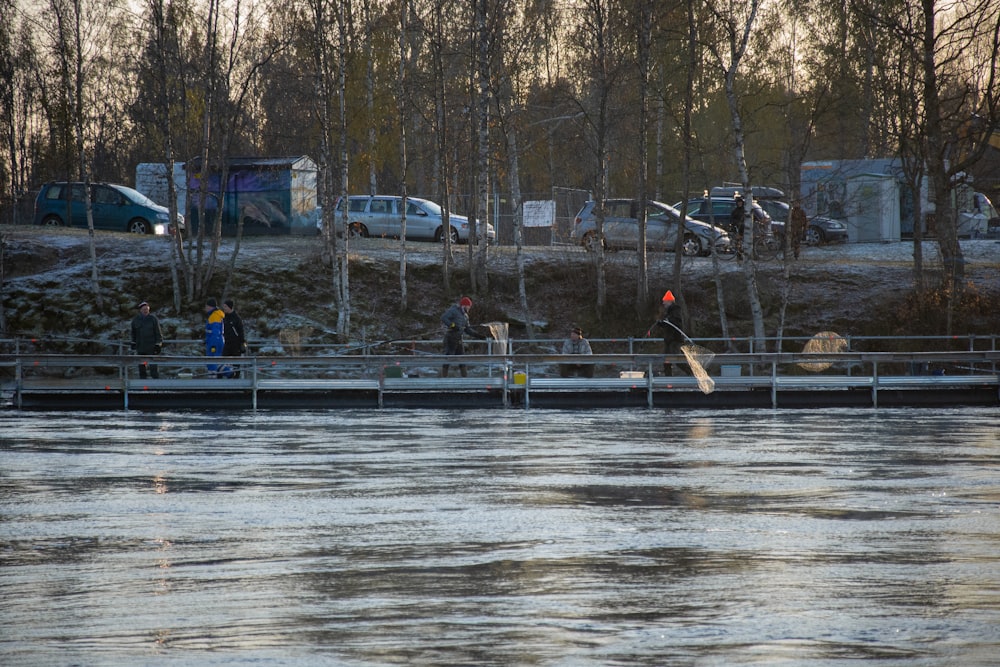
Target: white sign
<point x="539" y="213"/>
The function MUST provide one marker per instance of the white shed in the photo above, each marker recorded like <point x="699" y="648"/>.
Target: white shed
<point x="872" y="208"/>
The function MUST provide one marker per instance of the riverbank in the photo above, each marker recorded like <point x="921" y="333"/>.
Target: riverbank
<point x="283" y="288"/>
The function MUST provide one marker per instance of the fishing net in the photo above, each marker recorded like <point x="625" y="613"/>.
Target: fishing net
<point x="699" y="359"/>
<point x="498" y="330"/>
<point x="291" y="339"/>
<point x="825" y="342"/>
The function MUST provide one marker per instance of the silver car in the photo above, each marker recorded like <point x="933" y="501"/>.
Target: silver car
<point x="379" y="216"/>
<point x="621" y="228"/>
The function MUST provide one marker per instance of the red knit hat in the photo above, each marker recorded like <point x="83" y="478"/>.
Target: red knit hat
<point x="465" y="302"/>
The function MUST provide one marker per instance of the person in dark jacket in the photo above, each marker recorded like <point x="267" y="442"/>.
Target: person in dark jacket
<point x="235" y="340"/>
<point x="146" y="338"/>
<point x="456" y="325"/>
<point x="669" y="329"/>
<point x="799" y="223"/>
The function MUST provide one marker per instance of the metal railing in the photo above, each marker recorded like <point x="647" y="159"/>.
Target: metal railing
<point x="503" y="373"/>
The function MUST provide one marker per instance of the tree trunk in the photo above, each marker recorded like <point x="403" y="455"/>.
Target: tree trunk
<point x="737" y="46"/>
<point x="477" y="232"/>
<point x="341" y="262"/>
<point x="95" y="278"/>
<point x="516" y="203"/>
<point x="642" y="279"/>
<point x="401" y="105"/>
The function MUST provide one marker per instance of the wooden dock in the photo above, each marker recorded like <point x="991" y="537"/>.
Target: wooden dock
<point x="855" y="380"/>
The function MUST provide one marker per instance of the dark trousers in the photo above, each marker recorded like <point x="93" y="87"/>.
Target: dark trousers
<point x="453" y="346"/>
<point x="580" y="370"/>
<point x="154" y="371"/>
<point x="234" y="370"/>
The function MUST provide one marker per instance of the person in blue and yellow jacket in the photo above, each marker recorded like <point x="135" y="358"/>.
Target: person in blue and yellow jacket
<point x="213" y="334"/>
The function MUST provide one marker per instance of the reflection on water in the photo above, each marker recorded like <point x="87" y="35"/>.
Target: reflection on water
<point x="501" y="538"/>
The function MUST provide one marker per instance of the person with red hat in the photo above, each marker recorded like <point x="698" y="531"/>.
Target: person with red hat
<point x="669" y="328"/>
<point x="456" y="324"/>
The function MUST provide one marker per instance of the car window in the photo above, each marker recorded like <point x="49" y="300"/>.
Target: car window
<point x="413" y="209"/>
<point x="357" y="205"/>
<point x="723" y="208"/>
<point x="653" y="211"/>
<point x="381" y="206"/>
<point x="104" y="195"/>
<point x="55" y="192"/>
<point x="77" y="191"/>
<point x="618" y="209"/>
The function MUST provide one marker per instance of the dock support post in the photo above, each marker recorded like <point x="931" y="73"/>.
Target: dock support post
<point x="774" y="384"/>
<point x="649" y="384"/>
<point x="18" y="382"/>
<point x="527" y="386"/>
<point x="874" y="384"/>
<point x="253" y="388"/>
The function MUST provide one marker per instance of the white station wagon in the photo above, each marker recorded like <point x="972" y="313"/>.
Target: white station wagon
<point x="379" y="216"/>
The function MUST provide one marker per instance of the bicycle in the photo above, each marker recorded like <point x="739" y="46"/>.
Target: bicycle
<point x="766" y="245"/>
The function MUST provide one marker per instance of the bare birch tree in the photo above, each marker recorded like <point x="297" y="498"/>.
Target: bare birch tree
<point x="736" y="22"/>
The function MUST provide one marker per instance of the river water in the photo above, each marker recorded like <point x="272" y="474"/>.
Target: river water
<point x="506" y="537"/>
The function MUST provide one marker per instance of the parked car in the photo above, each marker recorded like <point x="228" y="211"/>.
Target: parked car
<point x="115" y="207"/>
<point x="378" y="216"/>
<point x="720" y="210"/>
<point x="820" y="230"/>
<point x="621" y="228"/>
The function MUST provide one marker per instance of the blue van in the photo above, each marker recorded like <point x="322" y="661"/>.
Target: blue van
<point x="117" y="208"/>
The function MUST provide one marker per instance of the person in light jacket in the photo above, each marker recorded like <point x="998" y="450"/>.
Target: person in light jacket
<point x="576" y="344"/>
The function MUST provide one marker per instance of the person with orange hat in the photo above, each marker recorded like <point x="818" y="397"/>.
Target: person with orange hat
<point x="669" y="328"/>
<point x="456" y="324"/>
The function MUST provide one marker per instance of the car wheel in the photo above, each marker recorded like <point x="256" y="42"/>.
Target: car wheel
<point x="692" y="246"/>
<point x="52" y="221"/>
<point x="357" y="231"/>
<point x="139" y="226"/>
<point x="590" y="241"/>
<point x="814" y="236"/>
<point x="440" y="237"/>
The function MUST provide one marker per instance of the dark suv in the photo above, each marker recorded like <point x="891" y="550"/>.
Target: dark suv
<point x="115" y="207"/>
<point x="820" y="230"/>
<point x="721" y="209"/>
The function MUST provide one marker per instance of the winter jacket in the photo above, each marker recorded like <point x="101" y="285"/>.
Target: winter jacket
<point x="235" y="338"/>
<point x="146" y="336"/>
<point x="456" y="323"/>
<point x="214" y="339"/>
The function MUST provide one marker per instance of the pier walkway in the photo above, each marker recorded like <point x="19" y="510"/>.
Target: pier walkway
<point x="30" y="381"/>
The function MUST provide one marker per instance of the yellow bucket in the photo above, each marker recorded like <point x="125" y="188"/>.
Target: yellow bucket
<point x="520" y="378"/>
